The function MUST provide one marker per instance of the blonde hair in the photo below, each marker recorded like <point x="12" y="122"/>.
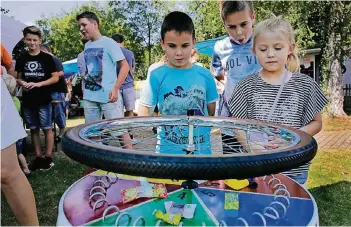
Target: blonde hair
<point x="279" y="24"/>
<point x="11" y="83"/>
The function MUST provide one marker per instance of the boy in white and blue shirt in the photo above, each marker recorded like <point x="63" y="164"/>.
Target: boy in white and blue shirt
<point x="232" y="58"/>
<point x="179" y="86"/>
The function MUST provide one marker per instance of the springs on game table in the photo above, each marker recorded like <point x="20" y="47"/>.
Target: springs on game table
<point x="97" y="197"/>
<point x="121" y="215"/>
<point x="276" y="209"/>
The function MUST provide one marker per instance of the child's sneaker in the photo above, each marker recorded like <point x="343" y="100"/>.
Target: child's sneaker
<point x="47" y="164"/>
<point x="36" y="164"/>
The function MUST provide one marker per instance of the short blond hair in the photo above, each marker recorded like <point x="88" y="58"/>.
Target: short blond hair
<point x="279" y="24"/>
<point x="11" y="84"/>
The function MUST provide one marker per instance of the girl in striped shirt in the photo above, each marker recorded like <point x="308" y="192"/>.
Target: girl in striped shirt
<point x="278" y="93"/>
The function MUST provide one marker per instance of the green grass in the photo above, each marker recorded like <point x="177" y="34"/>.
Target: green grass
<point x="329" y="182"/>
<point x="334" y="204"/>
<point x="330" y="166"/>
<point x="48" y="187"/>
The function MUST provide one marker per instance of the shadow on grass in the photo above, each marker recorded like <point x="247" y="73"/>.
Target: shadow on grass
<point x="334" y="203"/>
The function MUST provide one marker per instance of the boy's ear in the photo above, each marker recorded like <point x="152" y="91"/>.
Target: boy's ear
<point x="96" y="24"/>
<point x="162" y="44"/>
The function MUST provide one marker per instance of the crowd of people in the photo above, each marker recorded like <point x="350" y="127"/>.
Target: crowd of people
<point x="258" y="69"/>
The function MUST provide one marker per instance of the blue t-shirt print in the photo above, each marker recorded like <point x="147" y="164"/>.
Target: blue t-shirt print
<point x="93" y="60"/>
<point x="178" y="102"/>
<point x="176" y="91"/>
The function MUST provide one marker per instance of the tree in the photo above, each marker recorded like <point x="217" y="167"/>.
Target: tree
<point x="206" y="17"/>
<point x="144" y="18"/>
<point x="337" y="40"/>
<point x="332" y="25"/>
<point x="62" y="33"/>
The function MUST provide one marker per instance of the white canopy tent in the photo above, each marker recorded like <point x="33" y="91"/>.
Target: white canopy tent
<point x="11" y="32"/>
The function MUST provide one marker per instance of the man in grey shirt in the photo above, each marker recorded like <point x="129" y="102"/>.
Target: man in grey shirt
<point x="127" y="89"/>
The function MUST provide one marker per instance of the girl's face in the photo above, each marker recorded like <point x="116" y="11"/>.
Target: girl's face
<point x="272" y="50"/>
<point x="239" y="26"/>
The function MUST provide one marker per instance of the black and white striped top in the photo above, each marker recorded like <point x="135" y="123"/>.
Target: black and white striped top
<point x="300" y="101"/>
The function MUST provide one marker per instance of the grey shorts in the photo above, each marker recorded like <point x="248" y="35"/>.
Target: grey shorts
<point x="129" y="98"/>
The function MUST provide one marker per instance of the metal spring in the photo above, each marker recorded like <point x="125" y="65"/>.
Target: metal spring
<point x="138" y="219"/>
<point x="262" y="217"/>
<point x="121" y="215"/>
<point x="222" y="223"/>
<point x="279" y="188"/>
<point x="100" y="189"/>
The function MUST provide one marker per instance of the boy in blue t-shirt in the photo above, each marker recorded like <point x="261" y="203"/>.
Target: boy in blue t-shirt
<point x="179" y="86"/>
<point x="101" y="82"/>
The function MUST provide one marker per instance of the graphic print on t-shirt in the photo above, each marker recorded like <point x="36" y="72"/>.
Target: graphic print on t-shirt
<point x="177" y="102"/>
<point x="93" y="61"/>
<point x="34" y="69"/>
<point x="238" y="66"/>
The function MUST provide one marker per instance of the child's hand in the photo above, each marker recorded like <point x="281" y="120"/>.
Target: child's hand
<point x="23" y="84"/>
<point x="32" y="85"/>
<point x="113" y="96"/>
<point x="255" y="147"/>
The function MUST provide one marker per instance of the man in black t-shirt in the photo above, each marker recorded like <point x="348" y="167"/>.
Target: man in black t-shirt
<point x="36" y="71"/>
<point x="58" y="92"/>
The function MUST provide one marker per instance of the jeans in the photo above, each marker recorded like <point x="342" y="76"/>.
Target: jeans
<point x="301" y="178"/>
<point x="60" y="110"/>
<point x="93" y="110"/>
<point x="39" y="116"/>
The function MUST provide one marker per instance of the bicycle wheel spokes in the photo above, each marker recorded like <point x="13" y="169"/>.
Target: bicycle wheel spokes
<point x="209" y="137"/>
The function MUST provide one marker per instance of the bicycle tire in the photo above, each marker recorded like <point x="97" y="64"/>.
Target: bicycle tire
<point x="206" y="167"/>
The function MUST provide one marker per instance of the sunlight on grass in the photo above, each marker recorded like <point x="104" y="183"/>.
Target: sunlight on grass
<point x="330" y="166"/>
<point x="336" y="124"/>
<point x="75" y="121"/>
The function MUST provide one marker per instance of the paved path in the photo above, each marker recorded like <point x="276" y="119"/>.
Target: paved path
<point x="333" y="139"/>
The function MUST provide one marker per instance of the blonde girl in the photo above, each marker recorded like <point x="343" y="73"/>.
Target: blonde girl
<point x="279" y="93"/>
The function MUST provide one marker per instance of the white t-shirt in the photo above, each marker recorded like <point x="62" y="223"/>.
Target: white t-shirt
<point x="11" y="125"/>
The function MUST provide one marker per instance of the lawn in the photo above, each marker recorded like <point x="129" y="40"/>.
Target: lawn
<point x="329" y="182"/>
<point x="336" y="124"/>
